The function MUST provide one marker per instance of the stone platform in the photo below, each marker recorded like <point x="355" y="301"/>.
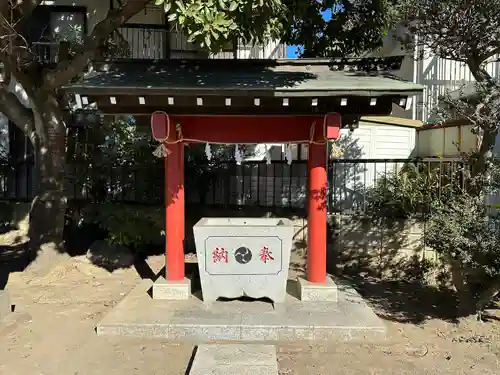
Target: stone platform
<point x="193" y="321"/>
<point x="237" y="359"/>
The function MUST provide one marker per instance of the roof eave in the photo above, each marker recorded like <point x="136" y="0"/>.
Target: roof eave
<point x="94" y="90"/>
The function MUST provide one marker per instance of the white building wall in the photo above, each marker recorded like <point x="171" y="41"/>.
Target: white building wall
<point x="439" y="75"/>
<point x="446" y="142"/>
<point x="435" y="73"/>
<point x="368" y="141"/>
<point x="363" y="147"/>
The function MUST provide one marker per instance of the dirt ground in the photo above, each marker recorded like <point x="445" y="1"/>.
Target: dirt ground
<point x="52" y="332"/>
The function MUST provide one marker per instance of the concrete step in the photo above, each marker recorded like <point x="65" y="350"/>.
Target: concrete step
<point x="235" y="359"/>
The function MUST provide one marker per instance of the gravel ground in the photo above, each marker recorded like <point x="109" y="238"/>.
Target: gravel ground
<point x="52" y="332"/>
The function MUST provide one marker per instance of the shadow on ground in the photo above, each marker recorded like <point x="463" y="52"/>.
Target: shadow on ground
<point x="403" y="296"/>
<point x="407" y="302"/>
<point x="79" y="238"/>
<point x="14" y="258"/>
<point x="386" y="261"/>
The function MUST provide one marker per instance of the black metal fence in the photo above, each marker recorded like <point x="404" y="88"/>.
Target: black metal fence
<point x="255" y="183"/>
<point x="359" y="185"/>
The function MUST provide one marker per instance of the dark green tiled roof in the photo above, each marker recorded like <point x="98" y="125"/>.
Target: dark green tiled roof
<point x="277" y="78"/>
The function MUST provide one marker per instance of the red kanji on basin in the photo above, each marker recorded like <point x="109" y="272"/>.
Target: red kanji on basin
<point x="219" y="255"/>
<point x="266" y="254"/>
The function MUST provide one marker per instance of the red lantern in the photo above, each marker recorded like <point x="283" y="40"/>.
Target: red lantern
<point x="160" y="126"/>
<point x="333" y="123"/>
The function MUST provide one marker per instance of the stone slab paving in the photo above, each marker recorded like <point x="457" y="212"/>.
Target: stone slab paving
<point x="138" y="315"/>
<point x="235" y="359"/>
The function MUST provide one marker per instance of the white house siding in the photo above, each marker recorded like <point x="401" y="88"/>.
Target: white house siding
<point x="435" y="73"/>
<point x="146" y="43"/>
<point x="272" y="50"/>
<point x="438" y="75"/>
<point x="406" y="71"/>
<point x="379" y="142"/>
<point x="363" y="147"/>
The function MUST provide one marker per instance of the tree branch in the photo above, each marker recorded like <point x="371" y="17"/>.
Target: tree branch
<point x="492" y="53"/>
<point x="22" y="9"/>
<point x="67" y="70"/>
<point x="13" y="70"/>
<point x="478" y="71"/>
<point x="26" y="7"/>
<point x="17" y="112"/>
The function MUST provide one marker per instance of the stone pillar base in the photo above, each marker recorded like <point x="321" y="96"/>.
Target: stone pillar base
<point x="172" y="290"/>
<point x="318" y="292"/>
<point x="5" y="307"/>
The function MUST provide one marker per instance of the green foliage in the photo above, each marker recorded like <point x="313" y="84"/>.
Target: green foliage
<point x="214" y="23"/>
<point x="101" y="151"/>
<point x="412" y="190"/>
<point x="467" y="237"/>
<point x="463" y="231"/>
<point x="460" y="227"/>
<point x="355" y="26"/>
<point x="109" y="162"/>
<point x="127" y="225"/>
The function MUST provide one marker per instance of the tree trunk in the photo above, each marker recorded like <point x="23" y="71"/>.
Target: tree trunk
<point x="47" y="214"/>
<point x="488" y="140"/>
<point x="465" y="301"/>
<point x="487" y="295"/>
<point x="489" y="134"/>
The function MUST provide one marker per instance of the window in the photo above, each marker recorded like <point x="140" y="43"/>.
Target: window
<point x="67" y="26"/>
<point x="49" y="25"/>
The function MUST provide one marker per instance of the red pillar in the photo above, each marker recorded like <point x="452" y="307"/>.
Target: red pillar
<point x="316" y="221"/>
<point x="174" y="215"/>
<point x="183" y="221"/>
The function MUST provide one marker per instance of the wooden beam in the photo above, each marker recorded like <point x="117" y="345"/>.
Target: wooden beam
<point x="250" y="129"/>
<point x="131" y="104"/>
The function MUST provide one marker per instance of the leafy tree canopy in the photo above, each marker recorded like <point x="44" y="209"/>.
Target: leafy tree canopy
<point x="466" y="31"/>
<point x="355" y="26"/>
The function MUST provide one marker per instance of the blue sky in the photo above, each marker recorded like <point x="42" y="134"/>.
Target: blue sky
<point x="291" y="51"/>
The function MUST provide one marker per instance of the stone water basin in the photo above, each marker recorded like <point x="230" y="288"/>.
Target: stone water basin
<point x="243" y="257"/>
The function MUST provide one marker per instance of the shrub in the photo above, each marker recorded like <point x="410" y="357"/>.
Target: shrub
<point x="468" y="239"/>
<point x="127" y="225"/>
<point x="459" y="228"/>
<point x="411" y="191"/>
